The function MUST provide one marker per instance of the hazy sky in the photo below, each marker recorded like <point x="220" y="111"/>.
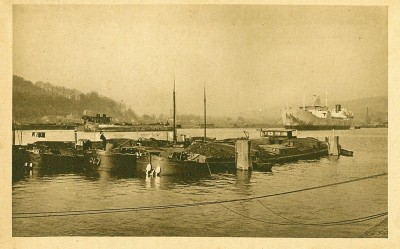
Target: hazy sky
<point x="248" y="56"/>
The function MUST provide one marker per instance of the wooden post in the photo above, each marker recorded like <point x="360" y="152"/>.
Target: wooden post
<point x="13" y="134"/>
<point x="334" y="146"/>
<point x="76" y="136"/>
<point x="174" y="120"/>
<point x="243" y="155"/>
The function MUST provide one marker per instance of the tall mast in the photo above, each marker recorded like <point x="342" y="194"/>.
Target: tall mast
<point x="205" y="114"/>
<point x="326" y="96"/>
<point x="174" y="121"/>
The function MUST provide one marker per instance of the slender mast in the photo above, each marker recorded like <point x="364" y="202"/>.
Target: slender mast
<point x="174" y="121"/>
<point x="326" y="96"/>
<point x="205" y="115"/>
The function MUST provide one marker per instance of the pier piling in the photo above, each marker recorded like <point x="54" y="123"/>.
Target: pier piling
<point x="243" y="155"/>
<point x="333" y="145"/>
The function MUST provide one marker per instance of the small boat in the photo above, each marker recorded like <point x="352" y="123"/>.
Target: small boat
<point x="64" y="161"/>
<point x="20" y="160"/>
<point x="344" y="152"/>
<point x="262" y="166"/>
<point x="277" y="145"/>
<point x="55" y="157"/>
<point x="67" y="160"/>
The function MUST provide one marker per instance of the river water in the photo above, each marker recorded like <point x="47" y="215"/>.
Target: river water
<point x="176" y="206"/>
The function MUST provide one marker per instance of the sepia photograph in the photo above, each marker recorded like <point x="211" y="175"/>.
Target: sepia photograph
<point x="224" y="121"/>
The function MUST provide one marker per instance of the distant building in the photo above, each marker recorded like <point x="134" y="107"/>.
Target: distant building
<point x="97" y="119"/>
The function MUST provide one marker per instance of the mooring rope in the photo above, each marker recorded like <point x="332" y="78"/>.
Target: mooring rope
<point x="332" y="223"/>
<point x="292" y="221"/>
<point x="327" y="223"/>
<point x="208" y="166"/>
<point x="183" y="205"/>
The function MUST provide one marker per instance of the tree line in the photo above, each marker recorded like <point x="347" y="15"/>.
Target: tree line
<point x="34" y="104"/>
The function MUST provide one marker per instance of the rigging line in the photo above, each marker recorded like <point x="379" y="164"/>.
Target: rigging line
<point x="326" y="223"/>
<point x="278" y="121"/>
<point x="277" y="213"/>
<point x="208" y="166"/>
<point x="100" y="211"/>
<point x="343" y="222"/>
<point x="105" y="211"/>
<point x="355" y="220"/>
<point x="131" y="209"/>
<point x="251" y="218"/>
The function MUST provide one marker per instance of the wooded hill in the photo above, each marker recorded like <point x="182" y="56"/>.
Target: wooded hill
<point x="45" y="103"/>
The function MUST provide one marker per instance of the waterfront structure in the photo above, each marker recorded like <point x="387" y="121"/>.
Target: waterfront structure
<point x="97" y="119"/>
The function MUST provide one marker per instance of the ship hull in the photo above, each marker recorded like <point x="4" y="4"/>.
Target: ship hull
<point x="317" y="127"/>
<point x="303" y="120"/>
<point x="116" y="162"/>
<point x="184" y="168"/>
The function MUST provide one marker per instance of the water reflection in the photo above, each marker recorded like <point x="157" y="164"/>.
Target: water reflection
<point x="88" y="190"/>
<point x="91" y="175"/>
<point x="243" y="177"/>
<point x="157" y="182"/>
<point x="243" y="183"/>
<point x="153" y="182"/>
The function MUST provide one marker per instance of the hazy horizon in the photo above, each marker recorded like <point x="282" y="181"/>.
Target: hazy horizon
<point x="248" y="57"/>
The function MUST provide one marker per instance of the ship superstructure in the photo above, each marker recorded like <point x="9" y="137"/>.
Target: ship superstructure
<point x="317" y="117"/>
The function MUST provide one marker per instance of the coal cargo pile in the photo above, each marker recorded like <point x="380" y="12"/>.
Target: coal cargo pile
<point x="260" y="141"/>
<point x="215" y="150"/>
<point x="308" y="143"/>
<point x="120" y="142"/>
<point x="256" y="150"/>
<point x="54" y="144"/>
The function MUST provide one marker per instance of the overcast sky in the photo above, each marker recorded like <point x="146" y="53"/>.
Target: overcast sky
<point x="248" y="56"/>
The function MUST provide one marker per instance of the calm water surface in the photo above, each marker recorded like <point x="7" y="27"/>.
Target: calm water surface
<point x="278" y="216"/>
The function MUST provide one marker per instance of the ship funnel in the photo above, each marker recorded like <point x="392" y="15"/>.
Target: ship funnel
<point x="338" y="108"/>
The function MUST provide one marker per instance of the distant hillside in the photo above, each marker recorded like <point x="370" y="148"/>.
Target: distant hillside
<point x="45" y="103"/>
<point x="377" y="109"/>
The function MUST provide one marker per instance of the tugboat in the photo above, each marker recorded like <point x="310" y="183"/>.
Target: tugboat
<point x="277" y="145"/>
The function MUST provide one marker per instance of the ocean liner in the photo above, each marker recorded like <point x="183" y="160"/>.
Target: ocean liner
<point x="317" y="117"/>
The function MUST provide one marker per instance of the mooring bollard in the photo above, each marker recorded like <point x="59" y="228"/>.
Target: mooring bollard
<point x="333" y="146"/>
<point x="243" y="155"/>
